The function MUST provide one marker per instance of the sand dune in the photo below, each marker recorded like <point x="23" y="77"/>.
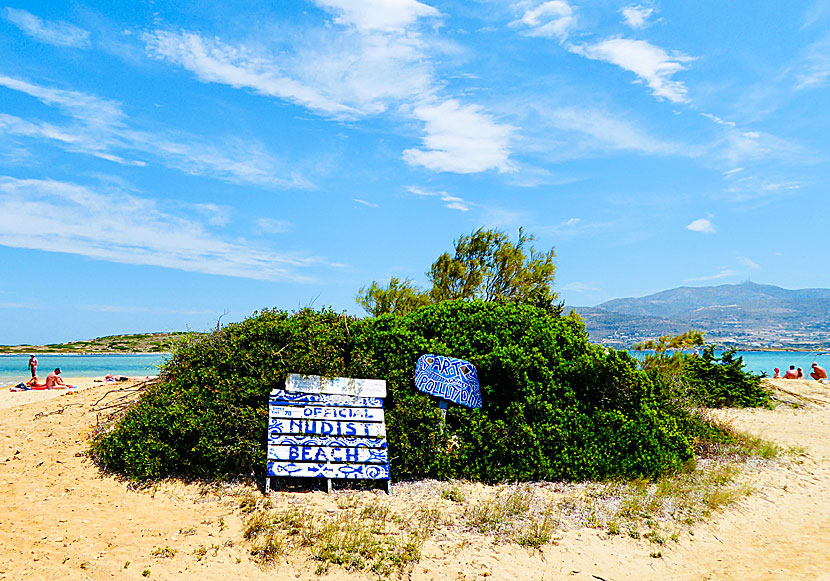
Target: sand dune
<point x="63" y="519"/>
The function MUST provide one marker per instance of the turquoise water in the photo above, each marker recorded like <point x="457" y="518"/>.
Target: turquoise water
<point x="767" y="361"/>
<point x="15" y="368"/>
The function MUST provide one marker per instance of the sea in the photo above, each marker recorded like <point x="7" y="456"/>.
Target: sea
<point x="15" y="368"/>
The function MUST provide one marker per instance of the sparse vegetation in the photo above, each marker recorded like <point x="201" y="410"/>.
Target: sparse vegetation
<point x="164" y="552"/>
<point x="364" y="537"/>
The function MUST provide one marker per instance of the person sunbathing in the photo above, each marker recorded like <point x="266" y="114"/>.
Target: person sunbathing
<point x="818" y="372"/>
<point x="791" y="373"/>
<point x="55" y="381"/>
<point x="35" y="384"/>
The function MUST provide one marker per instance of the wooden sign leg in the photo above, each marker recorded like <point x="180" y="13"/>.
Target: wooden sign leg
<point x="389" y="487"/>
<point x="328" y="485"/>
<point x="443" y="405"/>
<point x="268" y="486"/>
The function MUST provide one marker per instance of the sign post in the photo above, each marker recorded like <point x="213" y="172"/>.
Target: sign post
<point x="328" y="428"/>
<point x="451" y="380"/>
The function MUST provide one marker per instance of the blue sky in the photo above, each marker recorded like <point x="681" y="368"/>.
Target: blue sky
<point x="164" y="163"/>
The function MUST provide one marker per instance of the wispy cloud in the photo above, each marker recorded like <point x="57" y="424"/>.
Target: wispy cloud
<point x="652" y="64"/>
<point x="99" y="127"/>
<point x="68" y="218"/>
<point x="365" y="203"/>
<point x="384" y="15"/>
<point x="613" y="132"/>
<point x="461" y="139"/>
<point x="754" y="188"/>
<point x="373" y="60"/>
<point x="636" y="16"/>
<point x="450" y="201"/>
<point x="738" y="146"/>
<point x="555" y="18"/>
<point x="749" y="263"/>
<point x="581" y="287"/>
<point x="813" y="69"/>
<point x="271" y="226"/>
<point x="56" y="33"/>
<point x="724" y="273"/>
<point x="702" y="225"/>
<point x="9" y="305"/>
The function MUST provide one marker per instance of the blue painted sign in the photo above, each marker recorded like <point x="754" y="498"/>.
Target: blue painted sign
<point x="322" y="435"/>
<point x="279" y="397"/>
<point x="367" y="471"/>
<point x="448" y="378"/>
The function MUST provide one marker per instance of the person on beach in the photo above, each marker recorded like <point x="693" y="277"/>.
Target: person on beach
<point x="818" y="372"/>
<point x="33" y="365"/>
<point x="791" y="373"/>
<point x="55" y="381"/>
<point x="777" y="374"/>
<point x="34" y="383"/>
<point x="800" y="374"/>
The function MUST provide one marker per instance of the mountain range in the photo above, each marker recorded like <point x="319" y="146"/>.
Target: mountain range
<point x="745" y="316"/>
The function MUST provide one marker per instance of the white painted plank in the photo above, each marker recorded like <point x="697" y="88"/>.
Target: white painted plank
<point x="320" y="454"/>
<point x="327" y="427"/>
<point x="364" y="471"/>
<point x="326" y="413"/>
<point x="336" y="385"/>
<point x="277" y="439"/>
<point x="282" y="397"/>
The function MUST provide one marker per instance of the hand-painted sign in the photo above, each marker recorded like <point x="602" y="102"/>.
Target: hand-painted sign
<point x="336" y="385"/>
<point x="452" y="379"/>
<point x="326" y="434"/>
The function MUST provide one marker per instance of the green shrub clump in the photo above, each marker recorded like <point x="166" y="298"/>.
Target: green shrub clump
<point x="555" y="405"/>
<point x="722" y="381"/>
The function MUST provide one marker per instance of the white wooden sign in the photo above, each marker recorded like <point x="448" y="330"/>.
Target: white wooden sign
<point x="336" y="385"/>
<point x="335" y="429"/>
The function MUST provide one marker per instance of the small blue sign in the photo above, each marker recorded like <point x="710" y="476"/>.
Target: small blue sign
<point x="448" y="378"/>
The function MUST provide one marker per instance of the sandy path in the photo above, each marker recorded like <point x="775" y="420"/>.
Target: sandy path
<point x="61" y="519"/>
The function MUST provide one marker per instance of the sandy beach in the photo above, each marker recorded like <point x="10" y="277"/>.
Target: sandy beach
<point x="62" y="518"/>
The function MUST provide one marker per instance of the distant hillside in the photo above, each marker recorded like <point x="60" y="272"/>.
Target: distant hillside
<point x="140" y="343"/>
<point x="746" y="315"/>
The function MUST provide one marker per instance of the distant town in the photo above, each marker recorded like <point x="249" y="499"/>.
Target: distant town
<point x="745" y="316"/>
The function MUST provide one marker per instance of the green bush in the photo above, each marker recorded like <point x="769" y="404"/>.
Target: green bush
<point x="555" y="406"/>
<point x="721" y="381"/>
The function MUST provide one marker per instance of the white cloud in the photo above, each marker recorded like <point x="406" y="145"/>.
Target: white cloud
<point x="749" y="263"/>
<point x="702" y="225"/>
<point x="738" y="146"/>
<point x="100" y="128"/>
<point x="718" y="120"/>
<point x="450" y="201"/>
<point x="612" y="131"/>
<point x="83" y="106"/>
<point x="385" y="15"/>
<point x="724" y="273"/>
<point x="813" y="69"/>
<point x="650" y="63"/>
<point x="581" y="287"/>
<point x="55" y="216"/>
<point x="461" y="139"/>
<point x="365" y="203"/>
<point x="549" y="19"/>
<point x="636" y="16"/>
<point x="215" y="62"/>
<point x="56" y="33"/>
<point x="271" y="226"/>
